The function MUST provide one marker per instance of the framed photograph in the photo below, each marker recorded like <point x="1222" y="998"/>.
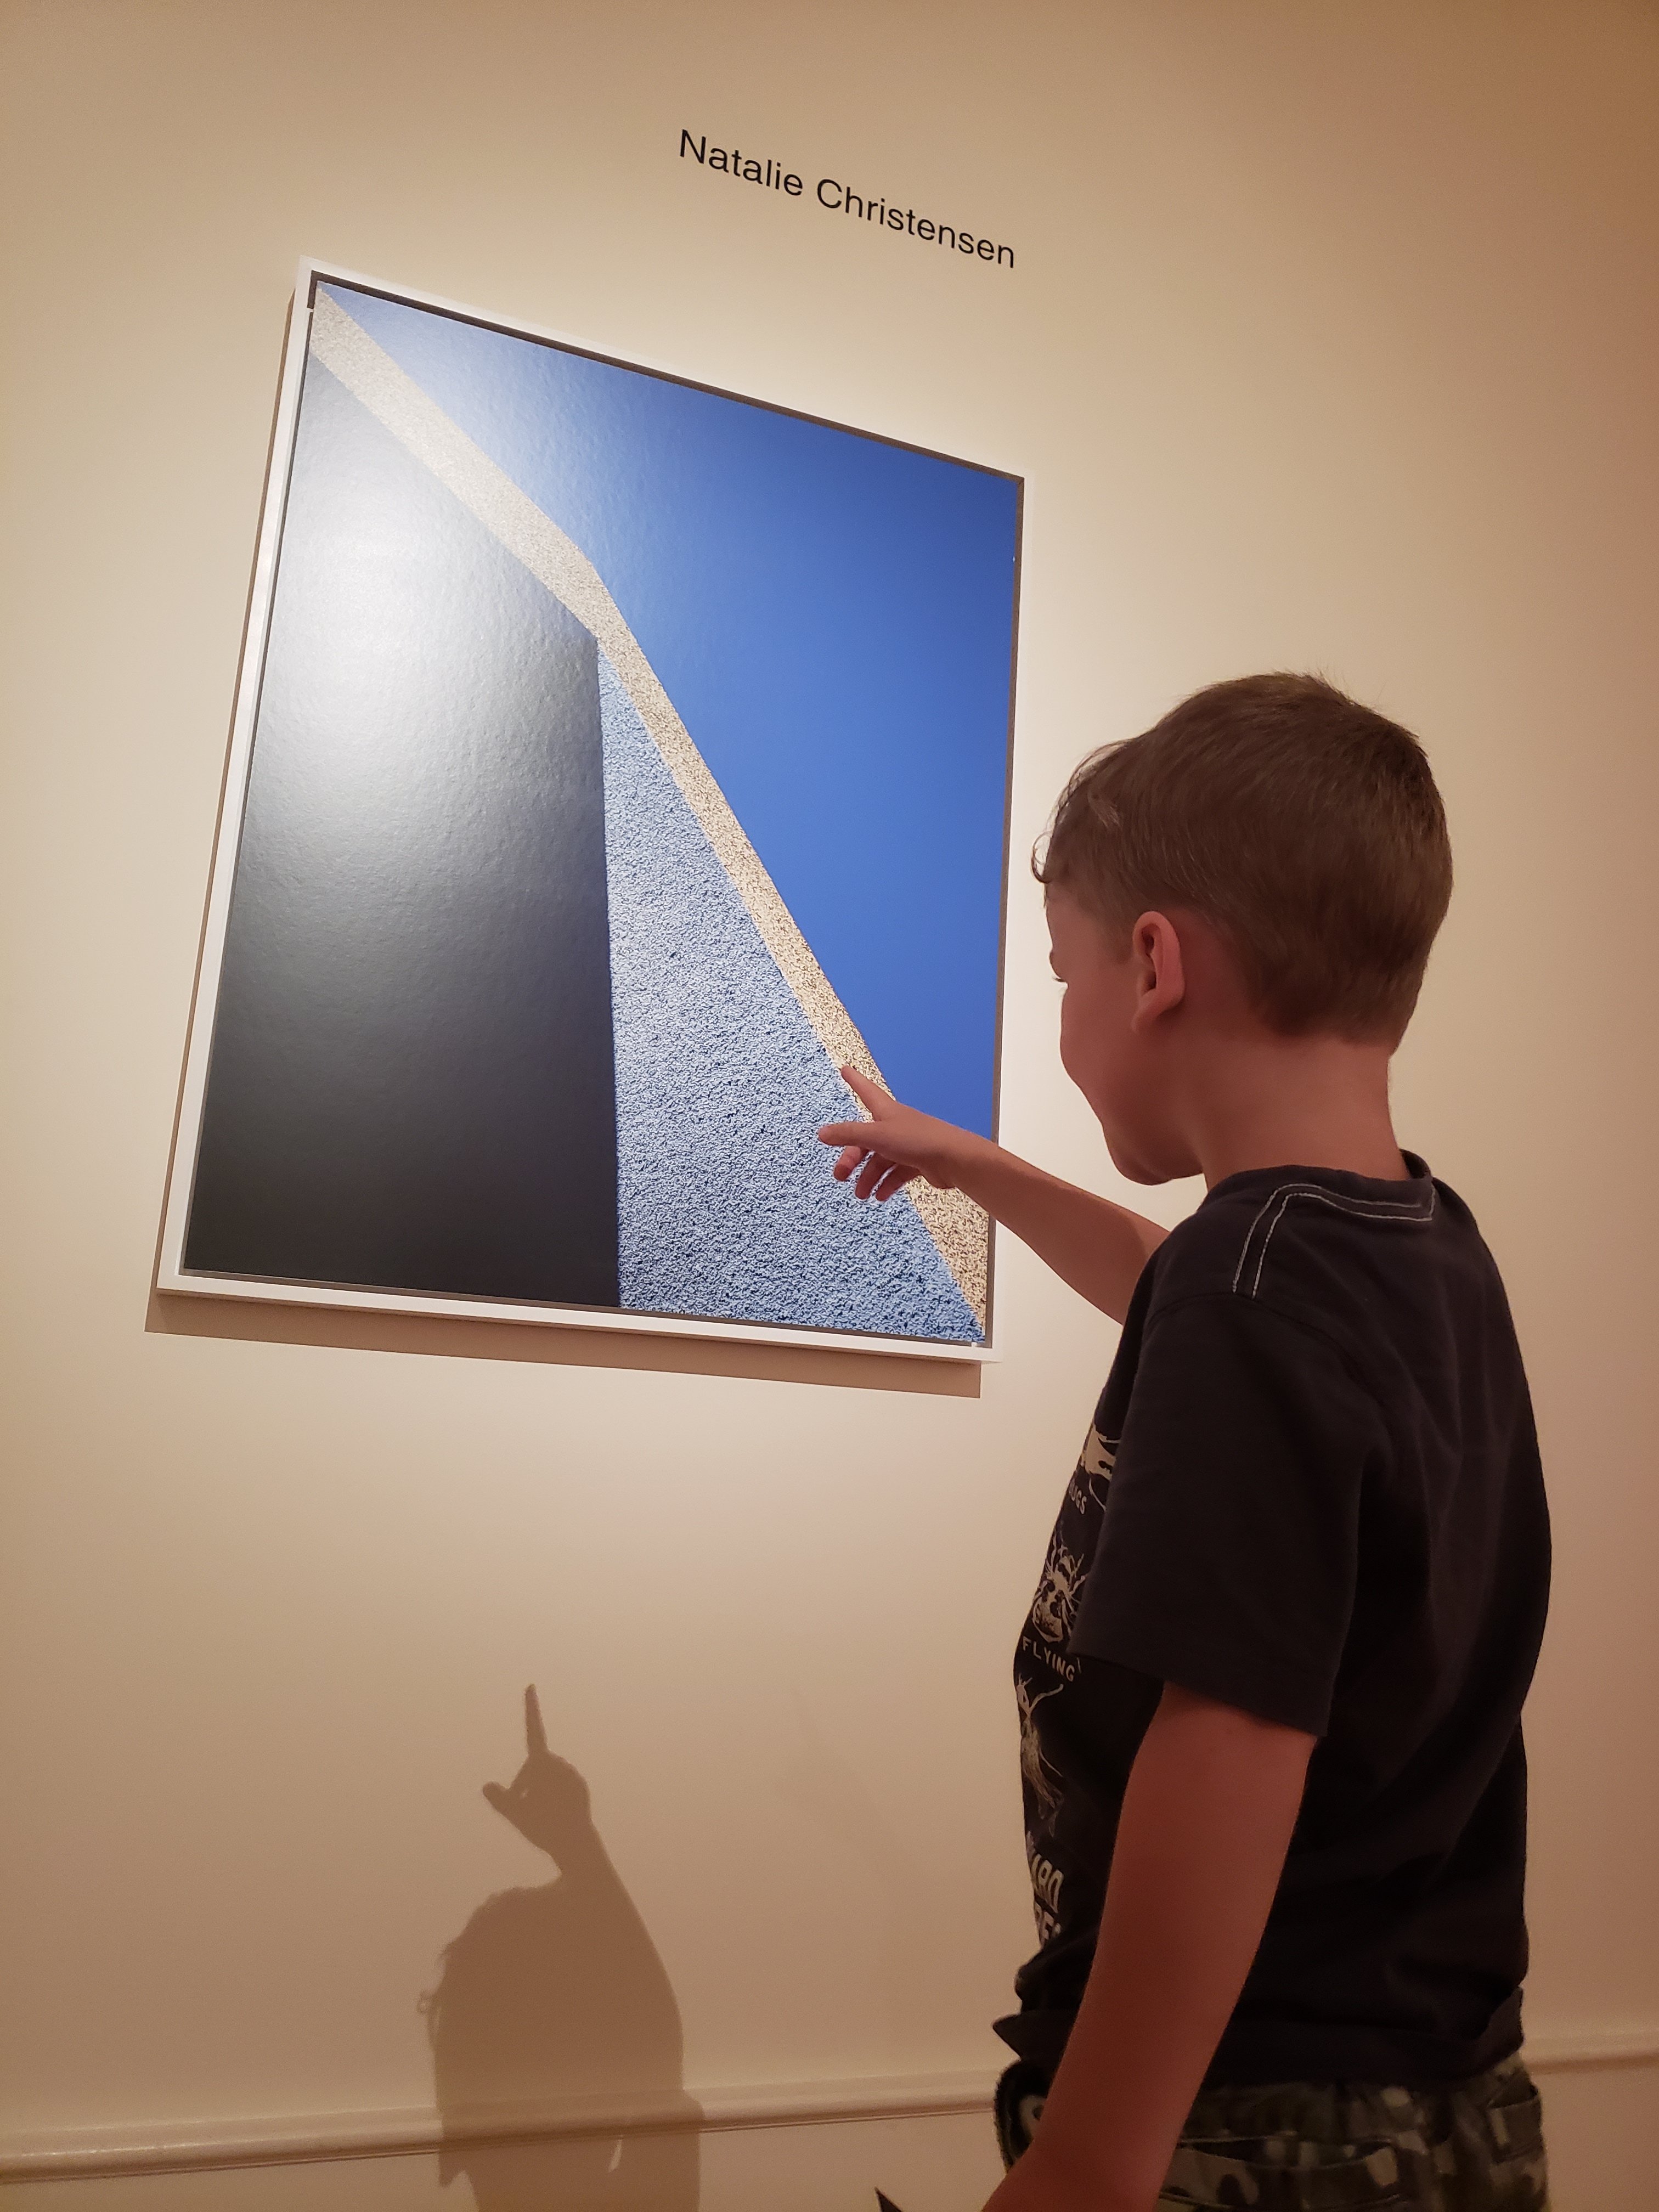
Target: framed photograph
<point x="614" y="759"/>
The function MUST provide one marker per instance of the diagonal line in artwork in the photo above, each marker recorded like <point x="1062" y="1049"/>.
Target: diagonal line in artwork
<point x="956" y="1225"/>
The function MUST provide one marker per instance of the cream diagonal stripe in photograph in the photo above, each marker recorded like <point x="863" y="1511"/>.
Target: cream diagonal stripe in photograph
<point x="956" y="1225"/>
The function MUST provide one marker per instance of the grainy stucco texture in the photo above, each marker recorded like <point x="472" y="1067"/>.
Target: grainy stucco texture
<point x="726" y="1204"/>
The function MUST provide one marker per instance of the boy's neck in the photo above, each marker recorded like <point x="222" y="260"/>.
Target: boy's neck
<point x="1315" y="1102"/>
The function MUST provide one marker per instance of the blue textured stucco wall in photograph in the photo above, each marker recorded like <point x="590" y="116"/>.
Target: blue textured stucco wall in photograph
<point x="724" y="1204"/>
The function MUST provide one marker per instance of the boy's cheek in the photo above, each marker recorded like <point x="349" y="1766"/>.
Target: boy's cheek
<point x="1127" y="1111"/>
<point x="1101" y="1061"/>
<point x="1081" y="1057"/>
<point x="1086" y="1052"/>
<point x="1068" y="1041"/>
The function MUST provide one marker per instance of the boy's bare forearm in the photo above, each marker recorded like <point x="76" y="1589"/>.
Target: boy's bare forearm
<point x="1096" y="1247"/>
<point x="1207" y="1821"/>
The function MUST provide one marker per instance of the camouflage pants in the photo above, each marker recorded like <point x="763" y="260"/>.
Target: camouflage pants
<point x="1341" y="2146"/>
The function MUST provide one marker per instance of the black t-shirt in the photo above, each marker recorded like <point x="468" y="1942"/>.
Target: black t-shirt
<point x="1312" y="1491"/>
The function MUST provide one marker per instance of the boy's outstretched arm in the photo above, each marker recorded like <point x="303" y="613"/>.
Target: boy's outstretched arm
<point x="1212" y="1800"/>
<point x="1097" y="1248"/>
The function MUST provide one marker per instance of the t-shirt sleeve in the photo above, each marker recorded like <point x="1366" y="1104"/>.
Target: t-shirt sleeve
<point x="1229" y="1546"/>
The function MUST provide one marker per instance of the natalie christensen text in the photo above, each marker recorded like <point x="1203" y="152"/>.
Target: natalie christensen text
<point x="841" y="198"/>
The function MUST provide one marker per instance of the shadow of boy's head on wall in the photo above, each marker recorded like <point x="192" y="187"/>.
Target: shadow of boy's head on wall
<point x="552" y="1997"/>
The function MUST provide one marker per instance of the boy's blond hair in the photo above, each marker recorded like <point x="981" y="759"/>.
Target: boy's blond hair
<point x="1304" y="826"/>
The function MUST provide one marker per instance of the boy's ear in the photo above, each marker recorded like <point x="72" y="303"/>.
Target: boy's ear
<point x="1160" y="969"/>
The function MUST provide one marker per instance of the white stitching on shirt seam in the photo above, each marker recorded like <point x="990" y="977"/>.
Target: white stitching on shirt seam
<point x="1407" y="1214"/>
<point x="1383" y="1207"/>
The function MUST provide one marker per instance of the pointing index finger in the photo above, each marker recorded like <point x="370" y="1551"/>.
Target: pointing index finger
<point x="867" y="1092"/>
<point x="535" y="1735"/>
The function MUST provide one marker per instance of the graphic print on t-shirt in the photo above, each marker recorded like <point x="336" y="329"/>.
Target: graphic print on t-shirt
<point x="1043" y="1666"/>
<point x="1047" y="1881"/>
<point x="1095" y="1463"/>
<point x="1055" y="1607"/>
<point x="1039" y="1782"/>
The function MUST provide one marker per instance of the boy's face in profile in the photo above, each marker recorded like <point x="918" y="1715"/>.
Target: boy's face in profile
<point x="1107" y="1041"/>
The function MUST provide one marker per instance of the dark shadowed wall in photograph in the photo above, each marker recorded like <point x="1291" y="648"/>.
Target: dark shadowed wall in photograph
<point x="411" y="1084"/>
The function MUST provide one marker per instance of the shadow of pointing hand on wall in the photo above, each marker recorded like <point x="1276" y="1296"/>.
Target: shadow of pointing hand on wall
<point x="547" y="1800"/>
<point x="553" y="2021"/>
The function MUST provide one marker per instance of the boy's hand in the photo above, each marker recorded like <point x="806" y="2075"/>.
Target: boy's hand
<point x="897" y="1144"/>
<point x="1098" y="1248"/>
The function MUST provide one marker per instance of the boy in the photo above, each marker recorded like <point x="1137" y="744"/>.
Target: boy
<point x="1272" y="1679"/>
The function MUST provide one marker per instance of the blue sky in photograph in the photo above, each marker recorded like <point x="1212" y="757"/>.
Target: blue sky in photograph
<point x="832" y="618"/>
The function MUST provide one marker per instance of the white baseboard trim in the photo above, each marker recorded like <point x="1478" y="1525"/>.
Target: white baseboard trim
<point x="299" y="2138"/>
<point x="307" y="2138"/>
<point x="1554" y="2050"/>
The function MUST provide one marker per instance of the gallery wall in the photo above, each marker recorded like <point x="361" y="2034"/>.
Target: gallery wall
<point x="1329" y="341"/>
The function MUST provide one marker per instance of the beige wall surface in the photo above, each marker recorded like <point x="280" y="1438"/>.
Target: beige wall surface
<point x="1331" y="342"/>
